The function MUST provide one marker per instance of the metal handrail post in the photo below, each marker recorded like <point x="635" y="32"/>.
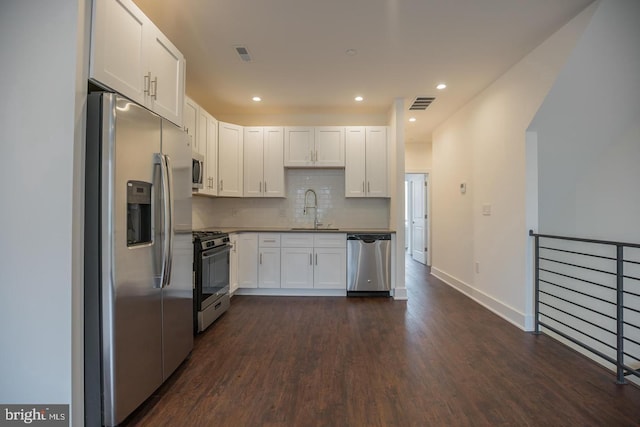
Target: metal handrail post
<point x="620" y="313"/>
<point x="537" y="284"/>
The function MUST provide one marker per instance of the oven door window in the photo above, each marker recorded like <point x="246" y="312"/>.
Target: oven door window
<point x="215" y="271"/>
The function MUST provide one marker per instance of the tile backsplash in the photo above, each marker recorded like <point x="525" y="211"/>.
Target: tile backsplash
<point x="334" y="210"/>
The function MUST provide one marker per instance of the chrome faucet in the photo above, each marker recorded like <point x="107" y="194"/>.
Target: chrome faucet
<point x="314" y="206"/>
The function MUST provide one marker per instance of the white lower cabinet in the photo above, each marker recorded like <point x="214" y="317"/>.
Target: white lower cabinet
<point x="269" y="260"/>
<point x="247" y="260"/>
<point x="311" y="260"/>
<point x="330" y="268"/>
<point x="297" y="268"/>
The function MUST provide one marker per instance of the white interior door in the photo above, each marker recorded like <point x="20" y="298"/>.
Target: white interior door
<point x="419" y="218"/>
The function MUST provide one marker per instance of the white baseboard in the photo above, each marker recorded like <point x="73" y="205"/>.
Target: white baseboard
<point x="400" y="294"/>
<point x="508" y="313"/>
<point x="285" y="292"/>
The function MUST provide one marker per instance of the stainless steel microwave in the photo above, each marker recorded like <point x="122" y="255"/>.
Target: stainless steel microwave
<point x="197" y="170"/>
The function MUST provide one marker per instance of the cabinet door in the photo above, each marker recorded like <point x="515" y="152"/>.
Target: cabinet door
<point x="253" y="162"/>
<point x="355" y="164"/>
<point x="211" y="159"/>
<point x="269" y="268"/>
<point x="233" y="263"/>
<point x="329" y="147"/>
<point x="297" y="268"/>
<point x="230" y="164"/>
<point x="376" y="156"/>
<point x="190" y="122"/>
<point x="202" y="135"/>
<point x="298" y="146"/>
<point x="330" y="268"/>
<point x="273" y="162"/>
<point x="247" y="260"/>
<point x="118" y="57"/>
<point x="166" y="86"/>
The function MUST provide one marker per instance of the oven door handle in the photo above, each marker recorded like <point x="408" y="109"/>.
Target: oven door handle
<point x="216" y="251"/>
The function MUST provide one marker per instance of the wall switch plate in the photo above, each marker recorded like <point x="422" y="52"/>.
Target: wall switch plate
<point x="477" y="267"/>
<point x="486" y="209"/>
<point x="463" y="187"/>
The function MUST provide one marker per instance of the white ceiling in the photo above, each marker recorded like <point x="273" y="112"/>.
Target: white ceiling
<point x="404" y="48"/>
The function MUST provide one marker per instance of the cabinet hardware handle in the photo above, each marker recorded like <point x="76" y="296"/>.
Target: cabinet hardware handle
<point x="368" y="186"/>
<point x="260" y="258"/>
<point x="147" y="82"/>
<point x="312" y="155"/>
<point x="222" y="185"/>
<point x="260" y="187"/>
<point x="316" y="259"/>
<point x="310" y="259"/>
<point x="316" y="155"/>
<point x="363" y="186"/>
<point x="269" y="240"/>
<point x="154" y="82"/>
<point x="265" y="187"/>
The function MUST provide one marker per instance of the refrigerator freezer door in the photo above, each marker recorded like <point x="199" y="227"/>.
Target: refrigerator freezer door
<point x="177" y="295"/>
<point x="132" y="310"/>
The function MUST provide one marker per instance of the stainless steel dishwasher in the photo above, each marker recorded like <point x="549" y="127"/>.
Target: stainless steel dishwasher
<point x="368" y="264"/>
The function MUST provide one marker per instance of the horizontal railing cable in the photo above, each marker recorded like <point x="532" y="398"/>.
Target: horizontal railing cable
<point x="577" y="305"/>
<point x="578" y="292"/>
<point x="578" y="253"/>
<point x="577" y="278"/>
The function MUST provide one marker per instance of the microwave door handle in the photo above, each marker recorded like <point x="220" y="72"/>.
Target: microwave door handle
<point x="169" y="222"/>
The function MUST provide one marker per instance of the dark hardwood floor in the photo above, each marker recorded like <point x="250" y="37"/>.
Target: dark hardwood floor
<point x="439" y="359"/>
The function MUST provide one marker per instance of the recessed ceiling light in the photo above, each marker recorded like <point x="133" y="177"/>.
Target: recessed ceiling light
<point x="257" y="99"/>
<point x="412" y="119"/>
<point x="358" y="98"/>
<point x="351" y="52"/>
<point x="441" y="86"/>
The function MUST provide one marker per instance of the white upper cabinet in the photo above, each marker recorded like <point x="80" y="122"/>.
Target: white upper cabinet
<point x="263" y="162"/>
<point x="166" y="77"/>
<point x="130" y="55"/>
<point x="318" y="147"/>
<point x="376" y="154"/>
<point x="230" y="159"/>
<point x="366" y="170"/>
<point x="208" y="147"/>
<point x="329" y="147"/>
<point x="211" y="158"/>
<point x="190" y="122"/>
<point x="299" y="146"/>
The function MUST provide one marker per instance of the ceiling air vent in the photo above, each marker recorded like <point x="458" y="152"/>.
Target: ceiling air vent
<point x="421" y="103"/>
<point x="243" y="53"/>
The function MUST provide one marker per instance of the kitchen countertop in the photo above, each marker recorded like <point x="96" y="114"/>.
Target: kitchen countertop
<point x="297" y="230"/>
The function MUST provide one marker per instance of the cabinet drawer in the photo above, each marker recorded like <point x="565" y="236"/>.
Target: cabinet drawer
<point x="330" y="240"/>
<point x="269" y="240"/>
<point x="297" y="240"/>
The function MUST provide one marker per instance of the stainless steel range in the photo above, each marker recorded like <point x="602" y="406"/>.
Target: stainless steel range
<point x="211" y="277"/>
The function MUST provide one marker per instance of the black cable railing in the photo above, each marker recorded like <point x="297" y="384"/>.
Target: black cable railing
<point x="588" y="292"/>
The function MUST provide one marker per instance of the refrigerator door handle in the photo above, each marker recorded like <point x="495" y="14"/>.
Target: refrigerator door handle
<point x="160" y="159"/>
<point x="169" y="229"/>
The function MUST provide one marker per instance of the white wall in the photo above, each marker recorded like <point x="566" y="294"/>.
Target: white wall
<point x="41" y="157"/>
<point x="483" y="146"/>
<point x="589" y="132"/>
<point x="418" y="157"/>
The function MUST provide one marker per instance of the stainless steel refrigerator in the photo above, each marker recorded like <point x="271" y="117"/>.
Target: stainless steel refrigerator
<point x="138" y="256"/>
